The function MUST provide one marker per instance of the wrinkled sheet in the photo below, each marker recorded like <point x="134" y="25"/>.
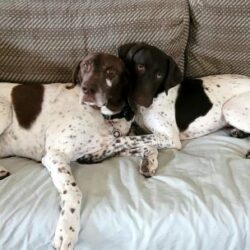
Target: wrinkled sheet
<point x="199" y="199"/>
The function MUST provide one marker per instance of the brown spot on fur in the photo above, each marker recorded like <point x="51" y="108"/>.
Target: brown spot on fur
<point x="27" y="101"/>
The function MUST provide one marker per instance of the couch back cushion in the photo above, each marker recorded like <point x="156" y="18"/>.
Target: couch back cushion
<point x="41" y="41"/>
<point x="219" y="41"/>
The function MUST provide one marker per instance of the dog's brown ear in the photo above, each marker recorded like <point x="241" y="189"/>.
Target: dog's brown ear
<point x="174" y="75"/>
<point x="127" y="51"/>
<point x="75" y="76"/>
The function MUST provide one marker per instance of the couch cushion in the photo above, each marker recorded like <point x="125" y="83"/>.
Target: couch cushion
<point x="219" y="40"/>
<point x="42" y="40"/>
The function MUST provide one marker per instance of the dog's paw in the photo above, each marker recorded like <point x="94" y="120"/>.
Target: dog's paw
<point x="68" y="227"/>
<point x="63" y="242"/>
<point x="149" y="164"/>
<point x="4" y="174"/>
<point x="236" y="133"/>
<point x="248" y="155"/>
<point x="146" y="169"/>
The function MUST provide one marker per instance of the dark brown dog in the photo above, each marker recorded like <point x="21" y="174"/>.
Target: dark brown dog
<point x="190" y="108"/>
<point x="151" y="71"/>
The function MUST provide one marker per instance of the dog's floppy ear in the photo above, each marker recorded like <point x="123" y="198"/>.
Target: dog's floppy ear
<point x="174" y="75"/>
<point x="127" y="51"/>
<point x="75" y="76"/>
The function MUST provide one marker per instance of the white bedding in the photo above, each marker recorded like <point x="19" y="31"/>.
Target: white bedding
<point x="198" y="200"/>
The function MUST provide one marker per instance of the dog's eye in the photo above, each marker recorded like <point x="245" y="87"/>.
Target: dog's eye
<point x="86" y="66"/>
<point x="140" y="68"/>
<point x="159" y="75"/>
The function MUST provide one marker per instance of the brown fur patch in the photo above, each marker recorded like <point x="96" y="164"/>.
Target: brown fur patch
<point x="27" y="102"/>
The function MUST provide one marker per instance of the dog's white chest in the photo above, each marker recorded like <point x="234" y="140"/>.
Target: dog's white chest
<point x="160" y="116"/>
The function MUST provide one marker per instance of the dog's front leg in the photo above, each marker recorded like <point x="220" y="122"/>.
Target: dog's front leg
<point x="105" y="147"/>
<point x="144" y="146"/>
<point x="158" y="140"/>
<point x="68" y="225"/>
<point x="124" y="146"/>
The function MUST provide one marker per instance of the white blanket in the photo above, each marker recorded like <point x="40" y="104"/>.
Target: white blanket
<point x="198" y="200"/>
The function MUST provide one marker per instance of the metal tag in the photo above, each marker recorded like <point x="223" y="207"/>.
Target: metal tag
<point x="116" y="133"/>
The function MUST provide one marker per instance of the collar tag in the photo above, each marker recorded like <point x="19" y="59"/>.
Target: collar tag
<point x="116" y="133"/>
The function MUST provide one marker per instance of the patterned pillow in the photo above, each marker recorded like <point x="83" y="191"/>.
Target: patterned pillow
<point x="219" y="41"/>
<point x="42" y="40"/>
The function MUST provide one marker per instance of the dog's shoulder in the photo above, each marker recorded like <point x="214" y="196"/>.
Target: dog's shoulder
<point x="191" y="102"/>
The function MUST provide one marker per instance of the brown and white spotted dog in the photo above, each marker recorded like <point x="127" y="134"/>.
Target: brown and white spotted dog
<point x="52" y="123"/>
<point x="176" y="109"/>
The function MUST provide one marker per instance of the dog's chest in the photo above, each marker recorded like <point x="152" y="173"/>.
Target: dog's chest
<point x="160" y="116"/>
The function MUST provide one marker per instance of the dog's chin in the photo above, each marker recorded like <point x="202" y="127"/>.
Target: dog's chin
<point x="145" y="104"/>
<point x="106" y="111"/>
<point x="140" y="101"/>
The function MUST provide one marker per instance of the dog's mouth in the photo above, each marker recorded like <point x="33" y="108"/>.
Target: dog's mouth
<point x="101" y="103"/>
<point x="104" y="108"/>
<point x="93" y="105"/>
<point x="95" y="101"/>
<point x="90" y="103"/>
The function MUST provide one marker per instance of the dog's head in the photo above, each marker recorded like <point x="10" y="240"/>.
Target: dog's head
<point x="151" y="71"/>
<point x="103" y="82"/>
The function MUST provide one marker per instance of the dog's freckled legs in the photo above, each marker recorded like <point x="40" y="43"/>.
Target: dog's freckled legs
<point x="68" y="225"/>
